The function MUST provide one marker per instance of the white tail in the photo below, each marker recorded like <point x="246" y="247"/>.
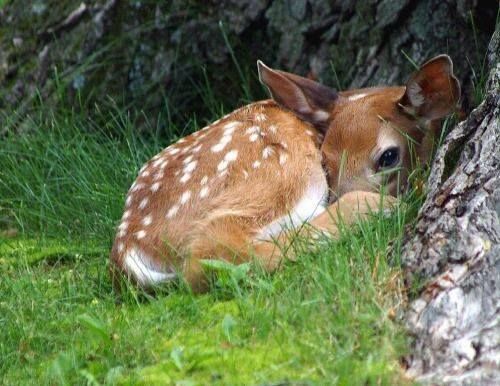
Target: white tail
<point x="227" y="190"/>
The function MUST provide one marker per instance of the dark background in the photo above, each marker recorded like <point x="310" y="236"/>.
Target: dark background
<point x="168" y="61"/>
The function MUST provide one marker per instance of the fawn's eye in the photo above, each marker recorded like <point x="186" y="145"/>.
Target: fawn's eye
<point x="389" y="158"/>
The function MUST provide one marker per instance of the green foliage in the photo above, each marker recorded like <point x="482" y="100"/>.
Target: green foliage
<point x="67" y="176"/>
<point x="479" y="70"/>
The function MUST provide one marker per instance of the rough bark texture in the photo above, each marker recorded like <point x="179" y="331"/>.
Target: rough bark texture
<point x="142" y="53"/>
<point x="456" y="250"/>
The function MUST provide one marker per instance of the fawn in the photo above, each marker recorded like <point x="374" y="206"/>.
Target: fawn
<point x="236" y="189"/>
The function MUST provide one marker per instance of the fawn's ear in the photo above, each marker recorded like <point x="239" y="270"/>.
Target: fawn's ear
<point x="309" y="100"/>
<point x="433" y="91"/>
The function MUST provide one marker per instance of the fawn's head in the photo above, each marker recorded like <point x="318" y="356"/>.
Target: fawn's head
<point x="372" y="135"/>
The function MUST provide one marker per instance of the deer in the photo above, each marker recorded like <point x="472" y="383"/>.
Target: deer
<point x="242" y="187"/>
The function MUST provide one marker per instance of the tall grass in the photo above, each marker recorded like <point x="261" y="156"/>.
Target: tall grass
<point x="66" y="176"/>
<point x="479" y="71"/>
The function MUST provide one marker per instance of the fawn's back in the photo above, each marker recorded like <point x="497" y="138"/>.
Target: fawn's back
<point x="228" y="189"/>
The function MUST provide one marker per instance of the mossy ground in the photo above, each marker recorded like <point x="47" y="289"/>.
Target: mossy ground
<point x="328" y="318"/>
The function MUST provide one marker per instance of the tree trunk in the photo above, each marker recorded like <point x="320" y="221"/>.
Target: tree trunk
<point x="455" y="248"/>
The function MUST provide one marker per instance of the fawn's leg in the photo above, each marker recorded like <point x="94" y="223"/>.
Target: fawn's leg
<point x="347" y="210"/>
<point x="228" y="238"/>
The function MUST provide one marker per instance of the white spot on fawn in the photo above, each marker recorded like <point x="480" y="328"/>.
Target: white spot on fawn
<point x="137" y="187"/>
<point x="185" y="178"/>
<point x="126" y="215"/>
<point x="120" y="247"/>
<point x="309" y="133"/>
<point x="253" y="137"/>
<point x="256" y="164"/>
<point x="143" y="203"/>
<point x="228" y="158"/>
<point x="173" y="151"/>
<point x="204" y="180"/>
<point x="231" y="156"/>
<point x="158" y="176"/>
<point x="123" y="229"/>
<point x="190" y="166"/>
<point x="273" y="129"/>
<point x="186" y="149"/>
<point x="187" y="159"/>
<point x="197" y="148"/>
<point x="203" y="192"/>
<point x="129" y="199"/>
<point x="230" y="127"/>
<point x="146" y="221"/>
<point x="173" y="211"/>
<point x="185" y="197"/>
<point x="218" y="148"/>
<point x="283" y="158"/>
<point x="226" y="138"/>
<point x="222" y="165"/>
<point x="222" y="144"/>
<point x="252" y="130"/>
<point x="267" y="152"/>
<point x="140" y="234"/>
<point x="154" y="188"/>
<point x="145" y="173"/>
<point x="157" y="162"/>
<point x="163" y="165"/>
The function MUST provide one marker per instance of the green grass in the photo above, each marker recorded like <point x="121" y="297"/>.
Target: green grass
<point x="326" y="319"/>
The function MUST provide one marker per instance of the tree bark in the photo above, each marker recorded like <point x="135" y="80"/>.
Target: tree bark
<point x="455" y="249"/>
<point x="143" y="53"/>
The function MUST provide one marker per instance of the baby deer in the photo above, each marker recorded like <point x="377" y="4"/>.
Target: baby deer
<point x="236" y="189"/>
